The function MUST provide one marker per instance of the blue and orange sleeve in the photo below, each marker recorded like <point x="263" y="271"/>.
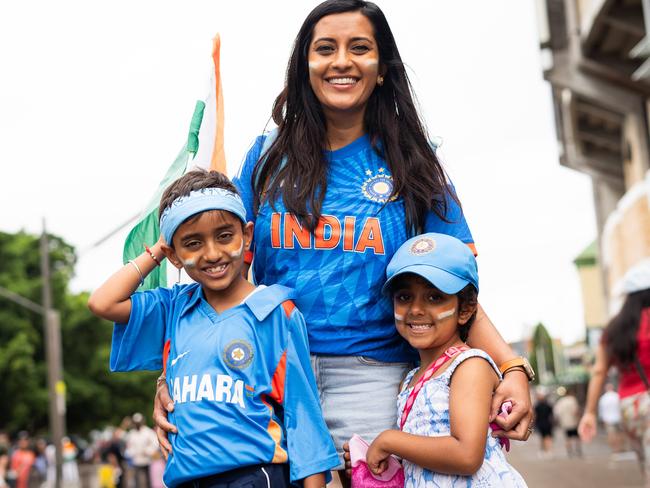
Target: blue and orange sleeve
<point x="138" y="344"/>
<point x="309" y="443"/>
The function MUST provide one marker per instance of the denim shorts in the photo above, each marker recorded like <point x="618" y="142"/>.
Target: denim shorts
<point x="358" y="395"/>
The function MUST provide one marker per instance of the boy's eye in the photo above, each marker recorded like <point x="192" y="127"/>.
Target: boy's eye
<point x="435" y="297"/>
<point x="192" y="244"/>
<point x="224" y="236"/>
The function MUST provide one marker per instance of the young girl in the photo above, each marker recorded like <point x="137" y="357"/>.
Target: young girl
<point x="444" y="405"/>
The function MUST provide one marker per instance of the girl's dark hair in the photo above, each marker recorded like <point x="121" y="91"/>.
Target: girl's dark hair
<point x="391" y="121"/>
<point x="467" y="298"/>
<point x="197" y="179"/>
<point x="620" y="336"/>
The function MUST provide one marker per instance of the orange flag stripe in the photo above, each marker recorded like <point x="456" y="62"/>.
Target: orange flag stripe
<point x="218" y="160"/>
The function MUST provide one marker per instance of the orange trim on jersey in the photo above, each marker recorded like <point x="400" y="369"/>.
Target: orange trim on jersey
<point x="275" y="431"/>
<point x="288" y="307"/>
<point x="165" y="356"/>
<point x="473" y="248"/>
<point x="277" y="383"/>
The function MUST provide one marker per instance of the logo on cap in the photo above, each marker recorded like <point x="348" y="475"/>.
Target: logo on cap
<point x="238" y="354"/>
<point x="422" y="246"/>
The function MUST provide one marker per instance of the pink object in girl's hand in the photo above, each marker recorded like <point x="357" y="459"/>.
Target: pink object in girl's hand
<point x="362" y="477"/>
<point x="506" y="408"/>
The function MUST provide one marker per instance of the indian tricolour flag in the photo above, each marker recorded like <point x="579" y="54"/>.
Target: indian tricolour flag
<point x="204" y="148"/>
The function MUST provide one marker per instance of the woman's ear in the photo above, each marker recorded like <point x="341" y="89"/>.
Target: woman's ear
<point x="170" y="254"/>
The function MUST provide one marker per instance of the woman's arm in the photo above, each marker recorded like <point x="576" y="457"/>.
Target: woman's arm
<point x="459" y="453"/>
<point x="587" y="426"/>
<point x="514" y="387"/>
<point x="112" y="300"/>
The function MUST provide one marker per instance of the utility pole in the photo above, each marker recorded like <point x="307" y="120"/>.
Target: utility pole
<point x="55" y="384"/>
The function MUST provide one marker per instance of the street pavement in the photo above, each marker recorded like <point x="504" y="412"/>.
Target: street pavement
<point x="597" y="468"/>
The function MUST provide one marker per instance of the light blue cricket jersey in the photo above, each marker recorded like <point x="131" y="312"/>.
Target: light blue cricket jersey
<point x="338" y="272"/>
<point x="241" y="381"/>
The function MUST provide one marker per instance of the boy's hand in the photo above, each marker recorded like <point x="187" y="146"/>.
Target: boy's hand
<point x="162" y="404"/>
<point x="377" y="456"/>
<point x="346" y="458"/>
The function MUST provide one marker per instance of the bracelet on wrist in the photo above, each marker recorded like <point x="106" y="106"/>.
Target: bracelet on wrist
<point x="153" y="256"/>
<point x="137" y="268"/>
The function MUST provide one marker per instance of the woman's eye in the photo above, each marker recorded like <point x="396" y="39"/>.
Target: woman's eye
<point x="360" y="49"/>
<point x="325" y="49"/>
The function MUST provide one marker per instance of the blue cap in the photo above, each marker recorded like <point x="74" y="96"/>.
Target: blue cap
<point x="442" y="260"/>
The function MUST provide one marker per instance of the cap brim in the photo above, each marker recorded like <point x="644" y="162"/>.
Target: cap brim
<point x="443" y="280"/>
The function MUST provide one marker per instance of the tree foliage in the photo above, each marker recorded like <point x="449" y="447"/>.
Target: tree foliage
<point x="94" y="396"/>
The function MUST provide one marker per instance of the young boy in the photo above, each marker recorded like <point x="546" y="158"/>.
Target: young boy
<point x="235" y="357"/>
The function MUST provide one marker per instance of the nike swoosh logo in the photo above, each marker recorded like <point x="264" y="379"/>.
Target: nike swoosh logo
<point x="179" y="356"/>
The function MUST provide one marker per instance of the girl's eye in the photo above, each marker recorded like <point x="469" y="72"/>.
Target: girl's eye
<point x="192" y="244"/>
<point x="402" y="297"/>
<point x="435" y="298"/>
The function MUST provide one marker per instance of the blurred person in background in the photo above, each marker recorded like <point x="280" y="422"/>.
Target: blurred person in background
<point x="70" y="470"/>
<point x="141" y="444"/>
<point x="544" y="423"/>
<point x="22" y="460"/>
<point x="567" y="414"/>
<point x="609" y="411"/>
<point x="626" y="345"/>
<point x="4" y="458"/>
<point x="39" y="473"/>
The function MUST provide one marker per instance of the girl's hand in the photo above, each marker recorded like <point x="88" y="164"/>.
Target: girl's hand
<point x="377" y="456"/>
<point x="587" y="427"/>
<point x="514" y="388"/>
<point x="162" y="404"/>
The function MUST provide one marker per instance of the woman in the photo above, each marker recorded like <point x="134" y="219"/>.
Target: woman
<point x="626" y="346"/>
<point x="347" y="177"/>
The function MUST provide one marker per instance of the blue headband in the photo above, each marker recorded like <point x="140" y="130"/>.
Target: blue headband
<point x="196" y="202"/>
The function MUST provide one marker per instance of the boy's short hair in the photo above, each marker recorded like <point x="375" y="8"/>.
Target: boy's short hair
<point x="197" y="179"/>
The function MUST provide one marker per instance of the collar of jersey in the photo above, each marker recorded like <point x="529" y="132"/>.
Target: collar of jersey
<point x="355" y="147"/>
<point x="261" y="303"/>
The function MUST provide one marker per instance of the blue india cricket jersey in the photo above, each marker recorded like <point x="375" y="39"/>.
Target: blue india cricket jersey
<point x="241" y="381"/>
<point x="338" y="271"/>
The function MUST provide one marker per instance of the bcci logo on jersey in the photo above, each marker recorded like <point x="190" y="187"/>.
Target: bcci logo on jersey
<point x="238" y="354"/>
<point x="379" y="187"/>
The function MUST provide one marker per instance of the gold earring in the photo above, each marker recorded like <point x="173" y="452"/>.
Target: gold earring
<point x="380" y="80"/>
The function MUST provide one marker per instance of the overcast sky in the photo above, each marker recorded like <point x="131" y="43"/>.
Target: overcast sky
<point x="96" y="99"/>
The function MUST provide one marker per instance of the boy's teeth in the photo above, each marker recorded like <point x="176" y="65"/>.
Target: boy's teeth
<point x="216" y="269"/>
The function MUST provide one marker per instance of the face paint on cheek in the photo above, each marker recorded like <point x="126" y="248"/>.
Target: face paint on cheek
<point x="237" y="254"/>
<point x="371" y="62"/>
<point x="445" y="314"/>
<point x="189" y="263"/>
<point x="399" y="318"/>
<point x="313" y="65"/>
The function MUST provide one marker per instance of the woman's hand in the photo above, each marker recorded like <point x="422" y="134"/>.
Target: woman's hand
<point x="162" y="404"/>
<point x="346" y="458"/>
<point x="587" y="427"/>
<point x="377" y="456"/>
<point x="517" y="425"/>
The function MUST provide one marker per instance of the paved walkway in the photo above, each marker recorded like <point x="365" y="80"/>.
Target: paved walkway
<point x="597" y="468"/>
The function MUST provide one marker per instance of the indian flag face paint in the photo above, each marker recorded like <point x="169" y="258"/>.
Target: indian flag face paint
<point x="445" y="314"/>
<point x="238" y="253"/>
<point x="313" y="65"/>
<point x="189" y="263"/>
<point x="399" y="318"/>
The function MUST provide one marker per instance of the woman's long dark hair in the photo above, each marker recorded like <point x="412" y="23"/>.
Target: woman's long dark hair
<point x="621" y="333"/>
<point x="390" y="118"/>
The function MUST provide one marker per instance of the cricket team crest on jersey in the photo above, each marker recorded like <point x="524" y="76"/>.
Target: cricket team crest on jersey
<point x="422" y="246"/>
<point x="379" y="187"/>
<point x="238" y="354"/>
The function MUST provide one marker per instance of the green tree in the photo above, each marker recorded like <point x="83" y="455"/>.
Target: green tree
<point x="95" y="397"/>
<point x="542" y="355"/>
